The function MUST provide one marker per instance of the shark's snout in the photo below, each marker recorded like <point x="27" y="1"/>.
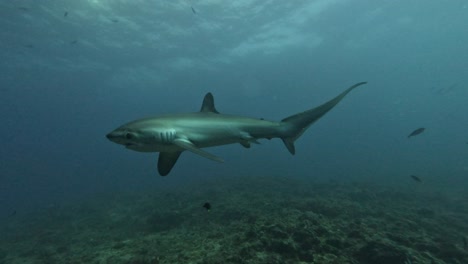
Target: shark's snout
<point x="112" y="135"/>
<point x="123" y="138"/>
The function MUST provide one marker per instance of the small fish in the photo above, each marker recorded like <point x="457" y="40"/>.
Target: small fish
<point x="13" y="213"/>
<point x="417" y="132"/>
<point x="415" y="178"/>
<point x="73" y="42"/>
<point x="447" y="90"/>
<point x="193" y="10"/>
<point x="115" y="20"/>
<point x="465" y="243"/>
<point x="23" y="8"/>
<point x="65" y="14"/>
<point x="207" y="206"/>
<point x="29" y="46"/>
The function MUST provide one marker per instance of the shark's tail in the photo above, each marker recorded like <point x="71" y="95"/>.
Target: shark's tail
<point x="297" y="124"/>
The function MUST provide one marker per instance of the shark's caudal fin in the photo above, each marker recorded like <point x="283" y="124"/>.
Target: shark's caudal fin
<point x="298" y="123"/>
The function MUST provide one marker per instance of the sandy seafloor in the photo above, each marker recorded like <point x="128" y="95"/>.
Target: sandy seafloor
<point x="252" y="220"/>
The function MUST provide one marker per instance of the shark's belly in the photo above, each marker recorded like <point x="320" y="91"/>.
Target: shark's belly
<point x="205" y="134"/>
<point x="211" y="137"/>
<point x="227" y="135"/>
<point x="155" y="148"/>
<point x="201" y="141"/>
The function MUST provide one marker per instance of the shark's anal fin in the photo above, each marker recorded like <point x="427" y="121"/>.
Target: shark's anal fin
<point x="187" y="145"/>
<point x="166" y="161"/>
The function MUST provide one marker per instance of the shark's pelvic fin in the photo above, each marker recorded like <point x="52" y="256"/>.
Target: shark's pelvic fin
<point x="247" y="137"/>
<point x="208" y="104"/>
<point x="166" y="161"/>
<point x="187" y="145"/>
<point x="297" y="124"/>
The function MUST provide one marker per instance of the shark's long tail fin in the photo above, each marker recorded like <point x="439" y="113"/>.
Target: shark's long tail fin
<point x="297" y="124"/>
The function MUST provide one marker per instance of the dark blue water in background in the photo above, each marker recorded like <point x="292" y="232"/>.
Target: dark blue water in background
<point x="67" y="80"/>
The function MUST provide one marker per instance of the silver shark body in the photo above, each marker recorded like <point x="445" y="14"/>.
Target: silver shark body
<point x="170" y="135"/>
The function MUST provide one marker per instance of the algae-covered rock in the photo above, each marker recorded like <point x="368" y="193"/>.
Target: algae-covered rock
<point x="164" y="221"/>
<point x="379" y="252"/>
<point x="258" y="221"/>
<point x="3" y="255"/>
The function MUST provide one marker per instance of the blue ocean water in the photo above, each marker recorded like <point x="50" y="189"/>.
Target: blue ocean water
<point x="68" y="80"/>
<point x="72" y="71"/>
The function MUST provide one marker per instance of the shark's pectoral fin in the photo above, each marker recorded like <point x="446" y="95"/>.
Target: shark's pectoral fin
<point x="166" y="161"/>
<point x="187" y="145"/>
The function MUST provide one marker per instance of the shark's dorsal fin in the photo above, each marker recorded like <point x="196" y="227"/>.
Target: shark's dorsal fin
<point x="208" y="104"/>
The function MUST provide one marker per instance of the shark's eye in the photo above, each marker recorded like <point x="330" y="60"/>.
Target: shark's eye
<point x="129" y="136"/>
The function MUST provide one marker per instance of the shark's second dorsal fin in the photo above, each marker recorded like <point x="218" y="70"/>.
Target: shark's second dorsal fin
<point x="208" y="104"/>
